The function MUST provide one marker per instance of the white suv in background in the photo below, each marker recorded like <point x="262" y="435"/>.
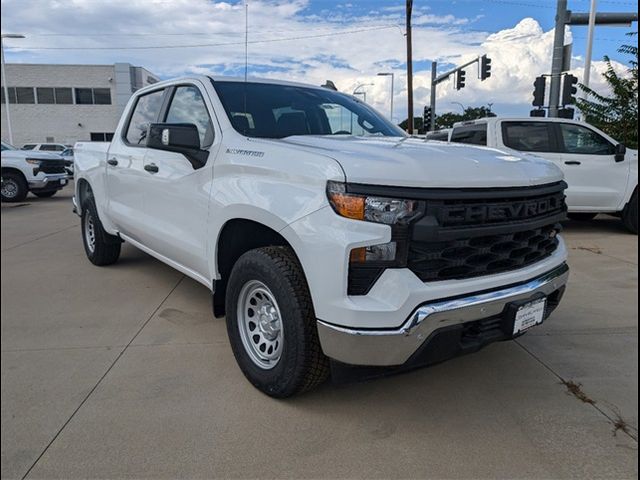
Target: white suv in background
<point x="602" y="173"/>
<point x="66" y="151"/>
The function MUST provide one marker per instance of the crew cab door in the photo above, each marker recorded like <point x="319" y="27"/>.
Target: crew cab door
<point x="596" y="181"/>
<point x="176" y="193"/>
<point x="125" y="166"/>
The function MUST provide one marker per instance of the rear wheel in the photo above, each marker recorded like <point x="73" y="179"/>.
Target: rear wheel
<point x="581" y="216"/>
<point x="272" y="325"/>
<point x="14" y="187"/>
<point x="100" y="247"/>
<point x="48" y="194"/>
<point x="630" y="214"/>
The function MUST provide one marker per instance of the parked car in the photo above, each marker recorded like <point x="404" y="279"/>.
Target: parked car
<point x="320" y="228"/>
<point x="602" y="173"/>
<point x="46" y="147"/>
<point x="24" y="171"/>
<point x="439" y="135"/>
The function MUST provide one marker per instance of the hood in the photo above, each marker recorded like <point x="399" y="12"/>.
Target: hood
<point x="412" y="162"/>
<point x="31" y="154"/>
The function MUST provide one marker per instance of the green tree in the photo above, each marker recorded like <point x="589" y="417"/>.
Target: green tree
<point x="617" y="115"/>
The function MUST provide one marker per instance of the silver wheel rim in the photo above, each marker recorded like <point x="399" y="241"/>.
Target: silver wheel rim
<point x="9" y="188"/>
<point x="260" y="324"/>
<point x="90" y="232"/>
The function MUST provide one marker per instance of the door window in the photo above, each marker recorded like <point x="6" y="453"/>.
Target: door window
<point x="470" y="134"/>
<point x="187" y="106"/>
<point x="580" y="140"/>
<point x="145" y="112"/>
<point x="528" y="136"/>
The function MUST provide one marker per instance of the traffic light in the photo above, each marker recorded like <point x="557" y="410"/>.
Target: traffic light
<point x="485" y="67"/>
<point x="461" y="78"/>
<point x="566" y="113"/>
<point x="540" y="85"/>
<point x="426" y="119"/>
<point x="569" y="90"/>
<point x="538" y="112"/>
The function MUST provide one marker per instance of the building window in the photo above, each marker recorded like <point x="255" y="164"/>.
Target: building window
<point x="63" y="96"/>
<point x="102" y="96"/>
<point x="45" y="95"/>
<point x="84" y="96"/>
<point x="101" y="136"/>
<point x="12" y="94"/>
<point x="25" y="95"/>
<point x="93" y="96"/>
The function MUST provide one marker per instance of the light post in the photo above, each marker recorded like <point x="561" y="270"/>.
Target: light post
<point x="389" y="74"/>
<point x="461" y="106"/>
<point x="4" y="80"/>
<point x="363" y="92"/>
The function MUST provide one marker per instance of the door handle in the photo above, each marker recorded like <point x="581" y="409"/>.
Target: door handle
<point x="113" y="162"/>
<point x="573" y="162"/>
<point x="151" y="167"/>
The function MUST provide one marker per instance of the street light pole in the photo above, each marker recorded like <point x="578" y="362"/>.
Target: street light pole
<point x="461" y="106"/>
<point x="392" y="75"/>
<point x="4" y="81"/>
<point x="590" y="32"/>
<point x="363" y="92"/>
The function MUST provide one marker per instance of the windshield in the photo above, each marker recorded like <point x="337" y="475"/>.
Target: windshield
<point x="266" y="110"/>
<point x="6" y="146"/>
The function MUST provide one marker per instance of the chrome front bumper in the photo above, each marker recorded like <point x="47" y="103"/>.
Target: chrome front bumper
<point x="395" y="347"/>
<point x="49" y="179"/>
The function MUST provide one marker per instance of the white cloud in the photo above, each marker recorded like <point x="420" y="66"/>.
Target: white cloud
<point x="376" y="43"/>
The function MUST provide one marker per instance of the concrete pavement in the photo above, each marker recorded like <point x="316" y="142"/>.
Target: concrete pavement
<point x="122" y="372"/>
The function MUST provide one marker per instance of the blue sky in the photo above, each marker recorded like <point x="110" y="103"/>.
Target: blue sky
<point x="347" y="41"/>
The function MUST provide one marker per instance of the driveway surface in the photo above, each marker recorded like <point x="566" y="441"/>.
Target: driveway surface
<point x="122" y="372"/>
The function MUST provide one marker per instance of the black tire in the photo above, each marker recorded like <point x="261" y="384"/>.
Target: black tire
<point x="103" y="249"/>
<point x="581" y="216"/>
<point x="630" y="214"/>
<point x="48" y="194"/>
<point x="301" y="365"/>
<point x="14" y="187"/>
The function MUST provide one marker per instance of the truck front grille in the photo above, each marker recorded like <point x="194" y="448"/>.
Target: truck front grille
<point x="485" y="255"/>
<point x="52" y="166"/>
<point x="465" y="233"/>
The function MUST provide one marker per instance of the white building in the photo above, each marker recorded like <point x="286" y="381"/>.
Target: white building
<point x="68" y="103"/>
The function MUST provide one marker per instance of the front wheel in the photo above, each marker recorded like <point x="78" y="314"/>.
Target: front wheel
<point x="14" y="187"/>
<point x="272" y="325"/>
<point x="100" y="247"/>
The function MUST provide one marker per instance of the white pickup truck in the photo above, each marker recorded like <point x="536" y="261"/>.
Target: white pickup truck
<point x="323" y="231"/>
<point x="602" y="174"/>
<point x="40" y="173"/>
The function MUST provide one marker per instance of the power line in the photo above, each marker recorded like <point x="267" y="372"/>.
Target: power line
<point x="203" y="45"/>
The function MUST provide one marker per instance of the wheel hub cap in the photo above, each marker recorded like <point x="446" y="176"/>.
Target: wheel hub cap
<point x="9" y="188"/>
<point x="260" y="324"/>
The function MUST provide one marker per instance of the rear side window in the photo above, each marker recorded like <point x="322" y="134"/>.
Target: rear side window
<point x="187" y="106"/>
<point x="51" y="148"/>
<point x="528" y="136"/>
<point x="29" y="146"/>
<point x="145" y="112"/>
<point x="470" y="134"/>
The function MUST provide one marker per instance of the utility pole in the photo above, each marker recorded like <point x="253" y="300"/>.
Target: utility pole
<point x="409" y="8"/>
<point x="558" y="58"/>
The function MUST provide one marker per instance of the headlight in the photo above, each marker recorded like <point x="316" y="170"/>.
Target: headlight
<point x="389" y="211"/>
<point x="34" y="161"/>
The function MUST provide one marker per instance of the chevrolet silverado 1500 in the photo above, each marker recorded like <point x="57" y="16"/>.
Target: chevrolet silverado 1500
<point x="326" y="235"/>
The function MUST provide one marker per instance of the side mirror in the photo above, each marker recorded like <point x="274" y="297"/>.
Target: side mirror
<point x="621" y="150"/>
<point x="180" y="138"/>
